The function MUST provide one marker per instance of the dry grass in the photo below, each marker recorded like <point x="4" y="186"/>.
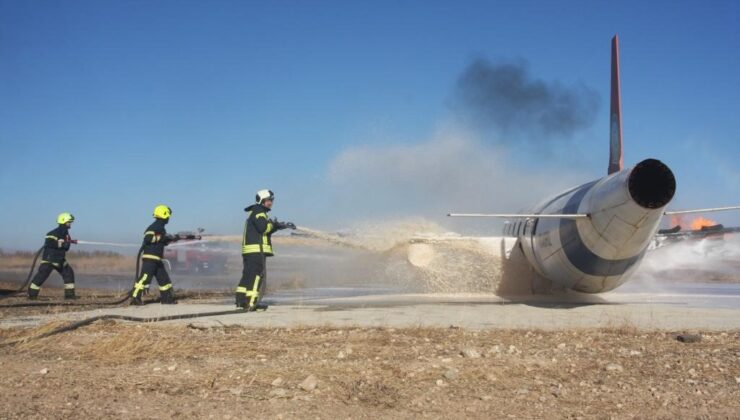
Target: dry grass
<point x="90" y="262"/>
<point x="89" y="299"/>
<point x="112" y="368"/>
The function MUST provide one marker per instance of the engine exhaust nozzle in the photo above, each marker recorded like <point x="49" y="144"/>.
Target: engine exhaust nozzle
<point x="651" y="184"/>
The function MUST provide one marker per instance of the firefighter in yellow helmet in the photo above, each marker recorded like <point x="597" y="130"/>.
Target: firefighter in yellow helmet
<point x="152" y="251"/>
<point x="56" y="245"/>
<point x="256" y="246"/>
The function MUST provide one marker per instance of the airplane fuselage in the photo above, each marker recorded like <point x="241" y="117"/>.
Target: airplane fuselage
<point x="599" y="252"/>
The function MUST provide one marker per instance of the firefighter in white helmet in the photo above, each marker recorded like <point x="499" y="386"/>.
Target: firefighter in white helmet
<point x="256" y="246"/>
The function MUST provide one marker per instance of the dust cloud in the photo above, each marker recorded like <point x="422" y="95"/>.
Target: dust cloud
<point x="450" y="172"/>
<point x="418" y="256"/>
<point x="707" y="260"/>
<point x="401" y="193"/>
<point x="406" y="189"/>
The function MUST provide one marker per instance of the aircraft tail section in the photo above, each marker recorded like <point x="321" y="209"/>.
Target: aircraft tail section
<point x="616" y="160"/>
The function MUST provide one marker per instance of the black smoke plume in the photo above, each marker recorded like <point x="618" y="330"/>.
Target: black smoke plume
<point x="507" y="98"/>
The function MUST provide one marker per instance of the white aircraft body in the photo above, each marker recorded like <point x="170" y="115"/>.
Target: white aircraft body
<point x="591" y="238"/>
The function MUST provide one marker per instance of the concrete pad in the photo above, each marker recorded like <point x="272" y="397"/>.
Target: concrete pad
<point x="480" y="312"/>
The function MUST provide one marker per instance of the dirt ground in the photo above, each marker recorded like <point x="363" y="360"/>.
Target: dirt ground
<point x="116" y="370"/>
<point x="51" y="302"/>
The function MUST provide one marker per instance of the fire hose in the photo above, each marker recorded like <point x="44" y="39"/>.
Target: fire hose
<point x="119" y="301"/>
<point x="28" y="279"/>
<point x="87" y="321"/>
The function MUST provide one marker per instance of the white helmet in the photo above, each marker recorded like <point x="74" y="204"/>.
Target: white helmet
<point x="263" y="195"/>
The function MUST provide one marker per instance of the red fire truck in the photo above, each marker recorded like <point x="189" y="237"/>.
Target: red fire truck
<point x="196" y="257"/>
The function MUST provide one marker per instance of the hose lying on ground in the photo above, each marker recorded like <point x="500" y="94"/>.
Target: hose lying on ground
<point x="119" y="301"/>
<point x="87" y="321"/>
<point x="91" y="303"/>
<point x="33" y="304"/>
<point x="28" y="279"/>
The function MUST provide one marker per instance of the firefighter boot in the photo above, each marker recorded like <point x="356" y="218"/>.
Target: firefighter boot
<point x="33" y="294"/>
<point x="241" y="300"/>
<point x="135" y="301"/>
<point x="261" y="307"/>
<point x="167" y="297"/>
<point x="69" y="294"/>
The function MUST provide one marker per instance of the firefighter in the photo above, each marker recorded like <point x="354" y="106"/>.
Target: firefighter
<point x="256" y="247"/>
<point x="152" y="251"/>
<point x="56" y="245"/>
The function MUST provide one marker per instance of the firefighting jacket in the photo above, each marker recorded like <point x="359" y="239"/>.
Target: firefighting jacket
<point x="155" y="239"/>
<point x="258" y="231"/>
<point x="56" y="245"/>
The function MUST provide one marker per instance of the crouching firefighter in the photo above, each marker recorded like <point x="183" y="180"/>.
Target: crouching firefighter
<point x="56" y="245"/>
<point x="256" y="247"/>
<point x="152" y="251"/>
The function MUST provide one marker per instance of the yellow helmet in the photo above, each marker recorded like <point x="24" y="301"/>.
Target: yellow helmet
<point x="162" y="212"/>
<point x="65" y="218"/>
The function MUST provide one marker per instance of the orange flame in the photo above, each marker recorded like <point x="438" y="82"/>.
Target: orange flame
<point x="701" y="222"/>
<point x="695" y="223"/>
<point x="677" y="220"/>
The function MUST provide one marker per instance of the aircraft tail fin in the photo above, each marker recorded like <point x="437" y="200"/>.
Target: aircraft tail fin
<point x="616" y="160"/>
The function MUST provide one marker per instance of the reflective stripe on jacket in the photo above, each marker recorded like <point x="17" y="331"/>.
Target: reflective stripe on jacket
<point x="257" y="231"/>
<point x="56" y="245"/>
<point x="155" y="239"/>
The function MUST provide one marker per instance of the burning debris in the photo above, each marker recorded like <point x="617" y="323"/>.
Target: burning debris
<point x="695" y="229"/>
<point x="696" y="223"/>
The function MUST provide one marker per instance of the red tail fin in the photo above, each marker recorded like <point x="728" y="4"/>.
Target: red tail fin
<point x="616" y="161"/>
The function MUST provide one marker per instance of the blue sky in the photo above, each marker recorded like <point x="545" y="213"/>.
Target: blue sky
<point x="108" y="108"/>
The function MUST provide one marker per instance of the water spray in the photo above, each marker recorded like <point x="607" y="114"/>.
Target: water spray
<point x="81" y="242"/>
<point x="176" y="238"/>
<point x="24" y="285"/>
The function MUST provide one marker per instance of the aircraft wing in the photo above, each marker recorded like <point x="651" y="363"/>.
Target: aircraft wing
<point x="709" y="210"/>
<point x="520" y="215"/>
<point x="579" y="216"/>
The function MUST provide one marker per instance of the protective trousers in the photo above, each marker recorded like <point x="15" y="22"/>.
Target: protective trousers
<point x="45" y="269"/>
<point x="153" y="269"/>
<point x="252" y="282"/>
